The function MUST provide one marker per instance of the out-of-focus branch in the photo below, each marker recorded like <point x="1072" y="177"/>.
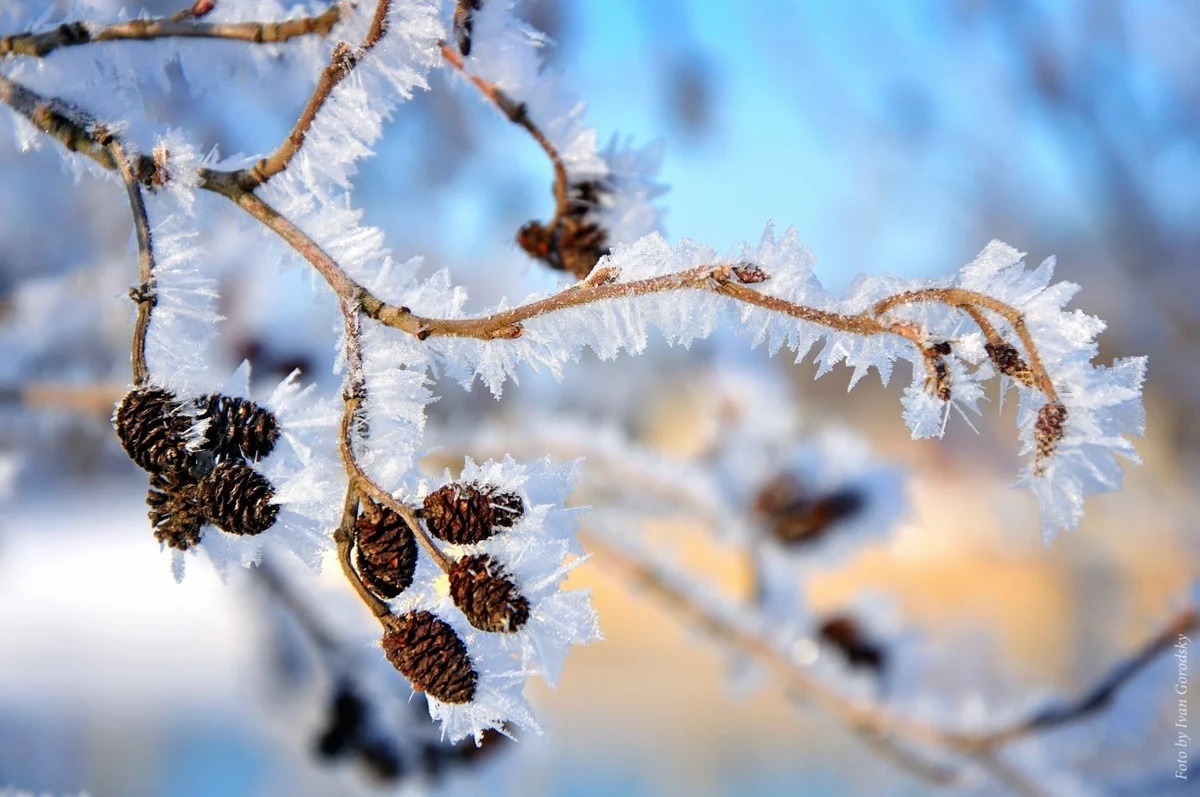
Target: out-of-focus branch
<point x="982" y="746"/>
<point x="267" y="574"/>
<point x="89" y="399"/>
<point x="143" y="293"/>
<point x="74" y="34"/>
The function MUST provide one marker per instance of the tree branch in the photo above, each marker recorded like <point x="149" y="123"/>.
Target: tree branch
<point x="74" y="34"/>
<point x="968" y="301"/>
<point x="62" y="122"/>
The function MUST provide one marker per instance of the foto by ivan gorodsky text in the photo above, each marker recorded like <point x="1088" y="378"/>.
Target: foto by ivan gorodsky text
<point x="1181" y="708"/>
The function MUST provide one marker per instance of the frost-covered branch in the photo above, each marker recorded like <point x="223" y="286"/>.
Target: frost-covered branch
<point x="57" y="119"/>
<point x="143" y="293"/>
<point x="178" y="26"/>
<point x="465" y="573"/>
<point x="342" y="62"/>
<point x="548" y="236"/>
<point x="353" y="396"/>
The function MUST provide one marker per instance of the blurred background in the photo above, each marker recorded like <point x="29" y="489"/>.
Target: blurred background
<point x="897" y="138"/>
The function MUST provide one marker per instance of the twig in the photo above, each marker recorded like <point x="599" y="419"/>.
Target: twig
<point x="269" y="576"/>
<point x="1101" y="694"/>
<point x="1004" y="773"/>
<point x="342" y="62"/>
<point x="353" y="396"/>
<point x="874" y="719"/>
<point x="964" y="299"/>
<point x="73" y="34"/>
<point x="518" y="114"/>
<point x="67" y="125"/>
<point x="343" y="537"/>
<point x="143" y="293"/>
<point x="720" y="278"/>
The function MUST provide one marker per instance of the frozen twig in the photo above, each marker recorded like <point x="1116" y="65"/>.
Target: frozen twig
<point x="342" y="62"/>
<point x="74" y="34"/>
<point x="143" y="293"/>
<point x="517" y="113"/>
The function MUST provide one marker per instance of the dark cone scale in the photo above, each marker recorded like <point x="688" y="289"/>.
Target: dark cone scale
<point x="174" y="511"/>
<point x="237" y="499"/>
<point x="387" y="552"/>
<point x="153" y="431"/>
<point x="427" y="652"/>
<point x="237" y="427"/>
<point x="467" y="513"/>
<point x="485" y="594"/>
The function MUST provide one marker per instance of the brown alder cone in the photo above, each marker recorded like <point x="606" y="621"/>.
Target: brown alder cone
<point x="576" y="243"/>
<point x="174" y="511"/>
<point x="426" y="651"/>
<point x="797" y="516"/>
<point x="464" y="23"/>
<point x="467" y="513"/>
<point x="484" y="592"/>
<point x="845" y="634"/>
<point x="237" y="499"/>
<point x="386" y="554"/>
<point x="237" y="428"/>
<point x="153" y="431"/>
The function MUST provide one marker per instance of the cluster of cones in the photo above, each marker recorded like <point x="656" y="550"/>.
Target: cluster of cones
<point x="421" y="645"/>
<point x="198" y="454"/>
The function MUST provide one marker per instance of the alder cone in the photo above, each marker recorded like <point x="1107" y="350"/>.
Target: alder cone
<point x="485" y="594"/>
<point x="462" y="514"/>
<point x="237" y="499"/>
<point x="237" y="428"/>
<point x="843" y="633"/>
<point x="387" y="552"/>
<point x="152" y="430"/>
<point x="174" y="512"/>
<point x="426" y="651"/>
<point x="347" y="716"/>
